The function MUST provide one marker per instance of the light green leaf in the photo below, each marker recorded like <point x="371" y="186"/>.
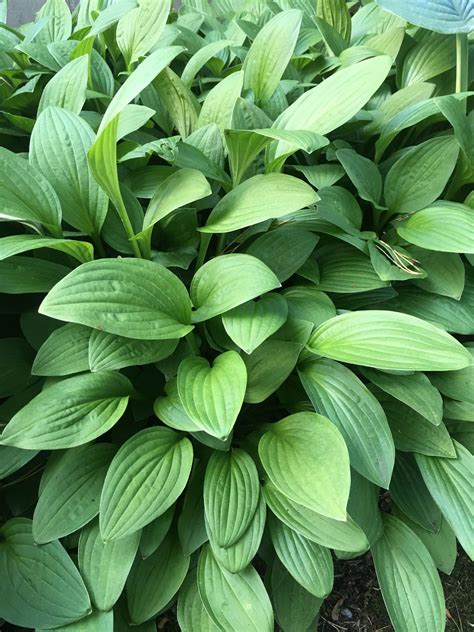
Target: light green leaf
<point x="457" y="384"/>
<point x="257" y="199"/>
<point x="270" y="53"/>
<point x="70" y="496"/>
<point x="176" y="100"/>
<point x="406" y="188"/>
<point x="170" y="410"/>
<point x="284" y="250"/>
<point x="443" y="228"/>
<point x="138" y="31"/>
<point x="219" y="104"/>
<point x="110" y="15"/>
<point x="339" y="395"/>
<point x="415" y="390"/>
<point x="200" y="58"/>
<point x="41" y="587"/>
<point x="65" y="352"/>
<point x="228" y="281"/>
<point x="212" y="396"/>
<point x="408" y="578"/>
<point x="249" y="324"/>
<point x="17" y="244"/>
<point x="58" y="24"/>
<point x="450" y="482"/>
<point x="445" y="272"/>
<point x="109" y="352"/>
<point x="67" y="88"/>
<point x="192" y="615"/>
<point x="336" y="13"/>
<point x="306" y="458"/>
<point x="238" y="556"/>
<point x="307" y="303"/>
<point x="181" y="188"/>
<point x="234" y="601"/>
<point x="154" y="582"/>
<point x="431" y="56"/>
<point x="69" y="413"/>
<point x="95" y="293"/>
<point x="309" y="563"/>
<point x="105" y="565"/>
<point x="59" y="145"/>
<point x="231" y="490"/>
<point x="388" y="340"/>
<point x="26" y="195"/>
<point x="344" y="269"/>
<point x="335" y="100"/>
<point x="145" y="478"/>
<point x="336" y="534"/>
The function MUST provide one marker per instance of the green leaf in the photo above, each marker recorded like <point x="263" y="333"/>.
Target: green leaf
<point x="444" y="228"/>
<point x="295" y="608"/>
<point x="180" y="189"/>
<point x="70" y="496"/>
<point x="67" y="88"/>
<point x="450" y="483"/>
<point x="238" y="556"/>
<point x="336" y="13"/>
<point x="337" y="534"/>
<point x="388" y="340"/>
<point x="257" y="199"/>
<point x="66" y="351"/>
<point x="154" y="533"/>
<point x="219" y="104"/>
<point x="270" y="53"/>
<point x="41" y="587"/>
<point x="108" y="352"/>
<point x="105" y="566"/>
<point x="58" y="149"/>
<point x="201" y="57"/>
<point x="191" y="524"/>
<point x="170" y="410"/>
<point x="445" y="272"/>
<point x="249" y="324"/>
<point x="363" y="173"/>
<point x="415" y="390"/>
<point x="154" y="582"/>
<point x="212" y="396"/>
<point x="363" y="506"/>
<point x="145" y="478"/>
<point x="457" y="384"/>
<point x="157" y="309"/>
<point x="309" y="563"/>
<point x="418" y="505"/>
<point x="228" y="281"/>
<point x="192" y="615"/>
<point x="234" y="601"/>
<point x="26" y="195"/>
<point x="69" y="413"/>
<point x="17" y="244"/>
<point x="306" y="458"/>
<point x="307" y="303"/>
<point x="430" y="57"/>
<point x="231" y="490"/>
<point x="29" y="275"/>
<point x="335" y="100"/>
<point x="406" y="189"/>
<point x="15" y="365"/>
<point x="408" y="578"/>
<point x="413" y="433"/>
<point x="284" y="250"/>
<point x="139" y="31"/>
<point x="176" y="99"/>
<point x="12" y="459"/>
<point x="339" y="395"/>
<point x="463" y="411"/>
<point x="95" y="622"/>
<point x="444" y="16"/>
<point x="344" y="269"/>
<point x="58" y="25"/>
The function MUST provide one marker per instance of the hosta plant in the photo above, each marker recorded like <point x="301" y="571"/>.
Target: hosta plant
<point x="237" y="310"/>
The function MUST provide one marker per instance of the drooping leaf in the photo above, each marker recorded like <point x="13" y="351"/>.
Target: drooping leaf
<point x="17" y="244"/>
<point x="233" y="600"/>
<point x="306" y="459"/>
<point x="69" y="413"/>
<point x="408" y="578"/>
<point x="146" y="476"/>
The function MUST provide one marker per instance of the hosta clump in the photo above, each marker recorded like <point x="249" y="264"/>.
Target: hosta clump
<point x="238" y="297"/>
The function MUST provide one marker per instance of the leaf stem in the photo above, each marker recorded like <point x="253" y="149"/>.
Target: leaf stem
<point x="462" y="63"/>
<point x="203" y="246"/>
<point x="124" y="218"/>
